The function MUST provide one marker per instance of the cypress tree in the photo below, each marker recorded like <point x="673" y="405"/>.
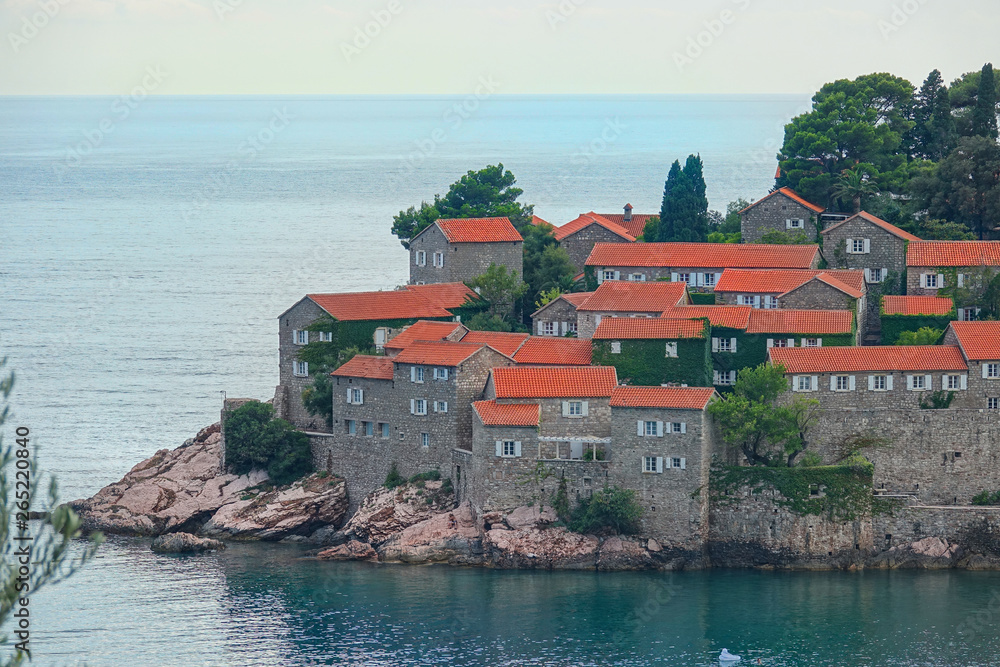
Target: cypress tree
<point x="984" y="116"/>
<point x="684" y="213"/>
<point x="923" y="136"/>
<point x="668" y="207"/>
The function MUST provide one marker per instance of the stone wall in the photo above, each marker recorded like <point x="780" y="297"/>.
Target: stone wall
<point x="290" y="385"/>
<point x="916" y="522"/>
<point x="561" y="312"/>
<point x="817" y="295"/>
<point x="462" y="261"/>
<point x="863" y="398"/>
<point x="771" y="215"/>
<point x="885" y="250"/>
<point x="579" y="245"/>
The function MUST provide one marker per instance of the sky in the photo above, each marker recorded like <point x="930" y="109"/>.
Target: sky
<point x="111" y="47"/>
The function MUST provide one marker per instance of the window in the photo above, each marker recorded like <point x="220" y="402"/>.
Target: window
<point x="576" y="408"/>
<point x="779" y="342"/>
<point x="684" y="278"/>
<point x="879" y="383"/>
<point x="616" y="347"/>
<point x="637" y="277"/>
<point x="352" y="426"/>
<point x="724" y="378"/>
<point x="672" y="350"/>
<point x="676" y="463"/>
<point x="725" y="345"/>
<point x="650" y="428"/>
<point x="425" y="440"/>
<point x="747" y="300"/>
<point x="439" y="259"/>
<point x="770" y="302"/>
<point x="609" y="275"/>
<point x="440" y="406"/>
<point x="300" y="368"/>
<point x="300" y="337"/>
<point x="420" y="258"/>
<point x="509" y="448"/>
<point x="795" y="223"/>
<point x="652" y="464"/>
<point x="842" y="383"/>
<point x="326" y="336"/>
<point x="858" y="246"/>
<point x="369" y="428"/>
<point x="953" y="381"/>
<point x="993" y="403"/>
<point x="803" y="383"/>
<point x="356" y="396"/>
<point x="812" y="342"/>
<point x="709" y="280"/>
<point x="968" y="314"/>
<point x="991" y="371"/>
<point x="418" y="406"/>
<point x="931" y="280"/>
<point x="876" y="275"/>
<point x="384" y="430"/>
<point x="571" y="326"/>
<point x="677" y="427"/>
<point x="440" y="374"/>
<point x="548" y="328"/>
<point x="918" y="381"/>
<point x="416" y="374"/>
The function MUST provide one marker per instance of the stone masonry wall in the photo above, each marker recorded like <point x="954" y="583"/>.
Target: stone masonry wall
<point x="770" y="215"/>
<point x="863" y="398"/>
<point x="817" y="295"/>
<point x="579" y="245"/>
<point x="462" y="261"/>
<point x="561" y="312"/>
<point x="298" y="318"/>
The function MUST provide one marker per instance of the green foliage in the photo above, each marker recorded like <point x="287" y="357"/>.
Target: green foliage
<point x="318" y="396"/>
<point x="783" y="238"/>
<point x="48" y="552"/>
<point x="907" y="326"/>
<point x="933" y="135"/>
<point x="986" y="498"/>
<point x="546" y="266"/>
<point x="922" y="336"/>
<point x="938" y="400"/>
<point x="703" y="298"/>
<point x="984" y="116"/>
<point x="719" y="237"/>
<point x="486" y="193"/>
<point x="393" y="479"/>
<point x="852" y="446"/>
<point x="429" y="476"/>
<point x="610" y="509"/>
<point x="501" y="288"/>
<point x="487" y="322"/>
<point x="651" y="230"/>
<point x="645" y="362"/>
<point x="594" y="455"/>
<point x="560" y="502"/>
<point x="684" y="212"/>
<point x="940" y="230"/>
<point x="853" y="186"/>
<point x="256" y="440"/>
<point x="548" y="297"/>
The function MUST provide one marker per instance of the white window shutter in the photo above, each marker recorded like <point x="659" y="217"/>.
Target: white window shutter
<point x="814" y="384"/>
<point x="718" y="277"/>
<point x="868" y="275"/>
<point x="929" y="382"/>
<point x="850" y="246"/>
<point x="674" y="277"/>
<point x="517" y="448"/>
<point x="640" y="428"/>
<point x="732" y="345"/>
<point x="683" y="464"/>
<point x="756" y="301"/>
<point x="659" y="464"/>
<point x="348" y="396"/>
<point x="618" y="275"/>
<point x="413" y="406"/>
<point x="944" y="382"/>
<point x="435" y="406"/>
<point x="788" y="223"/>
<point x="684" y="427"/>
<point x="565" y="408"/>
<point x="871" y="383"/>
<point x="961" y="280"/>
<point x="833" y="382"/>
<point x="803" y="342"/>
<point x="791" y="342"/>
<point x="909" y="383"/>
<point x="819" y="342"/>
<point x="538" y="328"/>
<point x="659" y="429"/>
<point x="940" y="280"/>
<point x="499" y="448"/>
<point x="770" y="342"/>
<point x="964" y="382"/>
<point x="413" y="373"/>
<point x="868" y="246"/>
<point x="851" y="383"/>
<point x="986" y="371"/>
<point x="586" y="408"/>
<point x="923" y="280"/>
<point x="888" y="382"/>
<point x="795" y="383"/>
<point x="715" y="345"/>
<point x="715" y="375"/>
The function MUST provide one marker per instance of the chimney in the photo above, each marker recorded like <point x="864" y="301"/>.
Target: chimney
<point x="628" y="213"/>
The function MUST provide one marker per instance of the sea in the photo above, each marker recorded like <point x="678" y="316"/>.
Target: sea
<point x="147" y="247"/>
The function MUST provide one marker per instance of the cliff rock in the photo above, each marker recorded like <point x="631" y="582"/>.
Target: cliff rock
<point x="386" y="512"/>
<point x="352" y="550"/>
<point x="451" y="537"/>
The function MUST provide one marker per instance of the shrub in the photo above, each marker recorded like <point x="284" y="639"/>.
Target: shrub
<point x="429" y="476"/>
<point x="560" y="503"/>
<point x="255" y="439"/>
<point x="446" y="486"/>
<point x="986" y="498"/>
<point x="611" y="508"/>
<point x="394" y="479"/>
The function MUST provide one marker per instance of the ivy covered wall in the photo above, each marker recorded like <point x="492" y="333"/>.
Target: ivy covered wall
<point x="894" y="325"/>
<point x="645" y="362"/>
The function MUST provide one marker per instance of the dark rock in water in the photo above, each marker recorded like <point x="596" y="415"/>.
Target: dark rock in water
<point x="352" y="550"/>
<point x="185" y="543"/>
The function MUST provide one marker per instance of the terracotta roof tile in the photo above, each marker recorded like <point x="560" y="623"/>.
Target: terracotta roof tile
<point x="366" y="366"/>
<point x="621" y="296"/>
<point x="587" y="219"/>
<point x="636" y="226"/>
<point x="791" y="194"/>
<point x="917" y="305"/>
<point x="446" y="295"/>
<point x="437" y="354"/>
<point x="503" y="342"/>
<point x="647" y="328"/>
<point x="892" y="229"/>
<point x="836" y="283"/>
<point x="979" y="340"/>
<point x="781" y="281"/>
<point x="729" y="317"/>
<point x="801" y="322"/>
<point x="543" y="350"/>
<point x="953" y="253"/>
<point x="576" y="298"/>
<point x="395" y="305"/>
<point x="565" y="382"/>
<point x="676" y="398"/>
<point x="881" y="359"/>
<point x="478" y="230"/>
<point x="535" y="220"/>
<point x="703" y="255"/>
<point x="423" y="331"/>
<point x="507" y="414"/>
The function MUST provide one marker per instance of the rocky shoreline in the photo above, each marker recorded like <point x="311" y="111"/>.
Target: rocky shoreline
<point x="184" y="491"/>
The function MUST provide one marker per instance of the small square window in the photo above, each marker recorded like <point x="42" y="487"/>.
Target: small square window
<point x="425" y="439"/>
<point x="709" y="280"/>
<point x="352" y="426"/>
<point x="676" y="427"/>
<point x="675" y="463"/>
<point x="993" y="403"/>
<point x="725" y="345"/>
<point x="356" y="397"/>
<point x="932" y="280"/>
<point x="649" y="464"/>
<point x="418" y="374"/>
<point x="684" y="278"/>
<point x="509" y="448"/>
<point x="548" y="328"/>
<point x="650" y="428"/>
<point x="781" y="342"/>
<point x="812" y="342"/>
<point x="440" y="406"/>
<point x="805" y="383"/>
<point x="954" y="382"/>
<point x="576" y="408"/>
<point x="858" y="246"/>
<point x="571" y="326"/>
<point x="301" y="337"/>
<point x="919" y="382"/>
<point x="440" y="374"/>
<point x="880" y="383"/>
<point x="843" y="383"/>
<point x="608" y="275"/>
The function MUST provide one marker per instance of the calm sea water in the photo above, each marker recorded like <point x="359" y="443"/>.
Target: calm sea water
<point x="144" y="258"/>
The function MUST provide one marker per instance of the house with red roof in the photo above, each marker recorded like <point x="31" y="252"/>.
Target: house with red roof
<point x="578" y="236"/>
<point x="980" y="346"/>
<point x="618" y="298"/>
<point x="558" y="317"/>
<point x="869" y="244"/>
<point x="960" y="269"/>
<point x="459" y="250"/>
<point x="782" y="211"/>
<point x="424" y="331"/>
<point x="655" y="350"/>
<point x="635" y="223"/>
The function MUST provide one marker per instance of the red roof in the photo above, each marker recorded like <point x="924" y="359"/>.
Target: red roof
<point x="788" y="192"/>
<point x="620" y="296"/>
<point x="395" y="305"/>
<point x="729" y="317"/>
<point x="953" y="253"/>
<point x="576" y="298"/>
<point x="366" y="366"/>
<point x="506" y="343"/>
<point x="511" y="414"/>
<point x="979" y="340"/>
<point x="882" y="359"/>
<point x="642" y="328"/>
<point x="917" y="305"/>
<point x="782" y="281"/>
<point x="446" y="295"/>
<point x="437" y="354"/>
<point x="878" y="222"/>
<point x="478" y="230"/>
<point x="636" y="226"/>
<point x="588" y="219"/>
<point x="547" y="351"/>
<point x="535" y="220"/>
<point x="565" y="382"/>
<point x="801" y="322"/>
<point x="703" y="255"/>
<point x="425" y="331"/>
<point x="676" y="398"/>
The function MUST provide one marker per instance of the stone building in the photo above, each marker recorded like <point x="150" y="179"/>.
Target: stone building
<point x="781" y="211"/>
<point x="425" y="331"/>
<point x="700" y="265"/>
<point x="459" y="250"/>
<point x="542" y="351"/>
<point x="959" y="269"/>
<point x="578" y="237"/>
<point x="980" y="345"/>
<point x="558" y="317"/>
<point x="655" y="351"/>
<point x="616" y="298"/>
<point x="635" y="223"/>
<point x="867" y="243"/>
<point x="728" y="324"/>
<point x="912" y="313"/>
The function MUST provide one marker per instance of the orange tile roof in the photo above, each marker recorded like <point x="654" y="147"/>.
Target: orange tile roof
<point x="576" y="298"/>
<point x="838" y="284"/>
<point x="703" y="255"/>
<point x="366" y="366"/>
<point x="641" y="328"/>
<point x="478" y="230"/>
<point x="878" y="222"/>
<point x="621" y="296"/>
<point x="979" y="340"/>
<point x="503" y="342"/>
<point x="676" y="398"/>
<point x="510" y="414"/>
<point x="881" y="359"/>
<point x="729" y="317"/>
<point x="548" y="351"/>
<point x="801" y="322"/>
<point x="535" y="220"/>
<point x="782" y="281"/>
<point x="917" y="305"/>
<point x="953" y="253"/>
<point x="425" y="331"/>
<point x="443" y="353"/>
<point x="395" y="305"/>
<point x="588" y="219"/>
<point x="565" y="382"/>
<point x="636" y="226"/>
<point x="446" y="295"/>
<point x="791" y="194"/>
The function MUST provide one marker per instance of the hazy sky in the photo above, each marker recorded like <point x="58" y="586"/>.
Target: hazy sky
<point x="520" y="46"/>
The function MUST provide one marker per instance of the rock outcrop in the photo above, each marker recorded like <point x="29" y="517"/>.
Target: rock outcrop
<point x="451" y="537"/>
<point x="386" y="512"/>
<point x="183" y="543"/>
<point x="351" y="550"/>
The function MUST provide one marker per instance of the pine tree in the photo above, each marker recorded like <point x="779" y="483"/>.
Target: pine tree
<point x="984" y="116"/>
<point x="933" y="132"/>
<point x="667" y="208"/>
<point x="684" y="213"/>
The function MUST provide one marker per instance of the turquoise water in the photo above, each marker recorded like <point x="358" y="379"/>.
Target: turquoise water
<point x="141" y="271"/>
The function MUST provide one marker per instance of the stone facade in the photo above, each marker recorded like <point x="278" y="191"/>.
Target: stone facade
<point x="896" y="395"/>
<point x="556" y="318"/>
<point x="587" y="321"/>
<point x="817" y="295"/>
<point x="579" y="244"/>
<point x="880" y="249"/>
<point x="434" y="260"/>
<point x="291" y="325"/>
<point x="982" y="385"/>
<point x="773" y="213"/>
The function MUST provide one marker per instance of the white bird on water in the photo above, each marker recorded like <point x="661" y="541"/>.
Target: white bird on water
<point x="727" y="659"/>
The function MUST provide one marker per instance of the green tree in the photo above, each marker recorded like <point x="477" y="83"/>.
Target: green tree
<point x="853" y="186"/>
<point x="964" y="96"/>
<point x="486" y="193"/>
<point x="777" y="237"/>
<point x="548" y="297"/>
<point x="923" y="336"/>
<point x="965" y="186"/>
<point x="684" y="211"/>
<point x="984" y="116"/>
<point x="501" y="288"/>
<point x="933" y="135"/>
<point x="256" y="440"/>
<point x="486" y="322"/>
<point x="318" y="396"/>
<point x="48" y="552"/>
<point x="651" y="230"/>
<point x="546" y="266"/>
<point x="610" y="509"/>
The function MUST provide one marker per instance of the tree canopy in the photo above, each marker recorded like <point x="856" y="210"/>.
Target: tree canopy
<point x="684" y="212"/>
<point x="255" y="439"/>
<point x="502" y="289"/>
